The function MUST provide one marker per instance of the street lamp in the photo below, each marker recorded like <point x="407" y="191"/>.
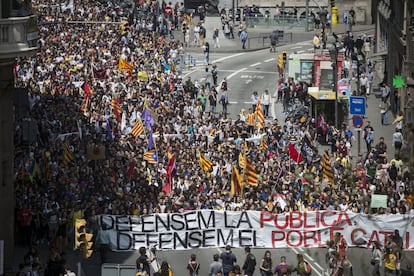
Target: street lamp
<point x="333" y="52"/>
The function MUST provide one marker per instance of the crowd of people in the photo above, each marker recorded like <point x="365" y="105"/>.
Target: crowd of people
<point x="91" y="86"/>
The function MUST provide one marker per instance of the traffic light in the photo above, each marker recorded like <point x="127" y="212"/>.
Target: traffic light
<point x="332" y="3"/>
<point x="280" y="61"/>
<point x="284" y="57"/>
<point x="82" y="238"/>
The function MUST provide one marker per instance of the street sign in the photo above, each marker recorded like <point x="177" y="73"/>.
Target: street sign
<point x="357" y="122"/>
<point x="357" y="105"/>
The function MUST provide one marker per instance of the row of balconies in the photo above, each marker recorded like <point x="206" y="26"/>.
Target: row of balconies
<point x="18" y="36"/>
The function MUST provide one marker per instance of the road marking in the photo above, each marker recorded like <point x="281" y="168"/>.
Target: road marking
<point x="310" y="49"/>
<point x="236" y="72"/>
<point x="248" y="81"/>
<point x="227" y="57"/>
<point x="230" y="102"/>
<point x="304" y="43"/>
<point x="269" y="60"/>
<point x="300" y="52"/>
<point x="296" y="47"/>
<point x="253" y="65"/>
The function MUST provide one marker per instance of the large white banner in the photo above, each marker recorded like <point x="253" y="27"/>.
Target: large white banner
<point x="211" y="228"/>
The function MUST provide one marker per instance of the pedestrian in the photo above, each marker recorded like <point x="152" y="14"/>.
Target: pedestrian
<point x="397" y="140"/>
<point x="224" y="100"/>
<point x="206" y="52"/>
<point x="165" y="269"/>
<point x="228" y="259"/>
<point x="249" y="265"/>
<point x="363" y="84"/>
<point x="243" y="38"/>
<point x="302" y="268"/>
<point x="193" y="266"/>
<point x="351" y="19"/>
<point x="215" y="268"/>
<point x="214" y="73"/>
<point x="385" y="92"/>
<point x="283" y="268"/>
<point x="368" y="135"/>
<point x="345" y="267"/>
<point x="266" y="265"/>
<point x="254" y="98"/>
<point x="196" y="34"/>
<point x="390" y="262"/>
<point x="103" y="239"/>
<point x="383" y="107"/>
<point x="216" y="38"/>
<point x="207" y="79"/>
<point x="212" y="98"/>
<point x="376" y="255"/>
<point x="273" y="40"/>
<point x="202" y="35"/>
<point x="265" y="99"/>
<point x="143" y="261"/>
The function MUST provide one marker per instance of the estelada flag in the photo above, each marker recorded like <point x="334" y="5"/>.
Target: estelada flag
<point x="125" y="65"/>
<point x="263" y="144"/>
<point x="68" y="155"/>
<point x="151" y="156"/>
<point x="236" y="182"/>
<point x="251" y="174"/>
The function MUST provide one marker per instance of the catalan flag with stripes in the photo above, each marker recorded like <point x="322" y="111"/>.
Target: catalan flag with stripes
<point x="124" y="65"/>
<point x="251" y="175"/>
<point x="259" y="112"/>
<point x="151" y="156"/>
<point x="236" y="182"/>
<point x="138" y="128"/>
<point x="263" y="144"/>
<point x="68" y="155"/>
<point x="327" y="168"/>
<point x="205" y="163"/>
<point x="116" y="108"/>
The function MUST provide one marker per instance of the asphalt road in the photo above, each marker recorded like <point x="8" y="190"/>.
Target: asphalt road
<point x="246" y="72"/>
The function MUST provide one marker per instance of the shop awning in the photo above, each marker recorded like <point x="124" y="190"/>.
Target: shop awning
<point x="326" y="96"/>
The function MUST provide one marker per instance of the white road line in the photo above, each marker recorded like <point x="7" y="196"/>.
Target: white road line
<point x="269" y="60"/>
<point x="296" y="47"/>
<point x="310" y="49"/>
<point x="227" y="57"/>
<point x="253" y="65"/>
<point x="236" y="72"/>
<point x="230" y="102"/>
<point x="300" y="52"/>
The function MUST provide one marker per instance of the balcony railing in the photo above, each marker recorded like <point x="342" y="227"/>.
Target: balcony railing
<point x="18" y="36"/>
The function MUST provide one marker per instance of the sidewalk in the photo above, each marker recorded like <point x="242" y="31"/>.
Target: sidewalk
<point x="258" y="37"/>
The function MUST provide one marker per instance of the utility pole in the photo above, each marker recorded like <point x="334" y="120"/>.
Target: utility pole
<point x="307" y="16"/>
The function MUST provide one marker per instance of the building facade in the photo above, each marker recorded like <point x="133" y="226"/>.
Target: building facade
<point x="395" y="30"/>
<point x="18" y="38"/>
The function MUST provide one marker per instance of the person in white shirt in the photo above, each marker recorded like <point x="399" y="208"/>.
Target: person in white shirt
<point x="254" y="98"/>
<point x="196" y="35"/>
<point x="265" y="99"/>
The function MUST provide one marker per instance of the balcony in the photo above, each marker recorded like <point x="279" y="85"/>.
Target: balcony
<point x="18" y="36"/>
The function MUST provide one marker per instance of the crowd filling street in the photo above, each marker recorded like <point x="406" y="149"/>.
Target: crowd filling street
<point x="118" y="131"/>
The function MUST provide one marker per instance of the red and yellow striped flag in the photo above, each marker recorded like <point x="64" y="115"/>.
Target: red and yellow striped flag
<point x="236" y="182"/>
<point x="116" y="108"/>
<point x="327" y="168"/>
<point x="138" y="128"/>
<point x="251" y="175"/>
<point x="205" y="163"/>
<point x="263" y="144"/>
<point x="124" y="65"/>
<point x="259" y="112"/>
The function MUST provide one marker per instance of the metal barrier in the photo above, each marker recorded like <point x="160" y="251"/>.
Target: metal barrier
<point x="263" y="40"/>
<point x="117" y="270"/>
<point x="279" y="22"/>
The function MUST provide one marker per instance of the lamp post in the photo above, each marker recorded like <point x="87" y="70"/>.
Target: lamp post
<point x="333" y="52"/>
